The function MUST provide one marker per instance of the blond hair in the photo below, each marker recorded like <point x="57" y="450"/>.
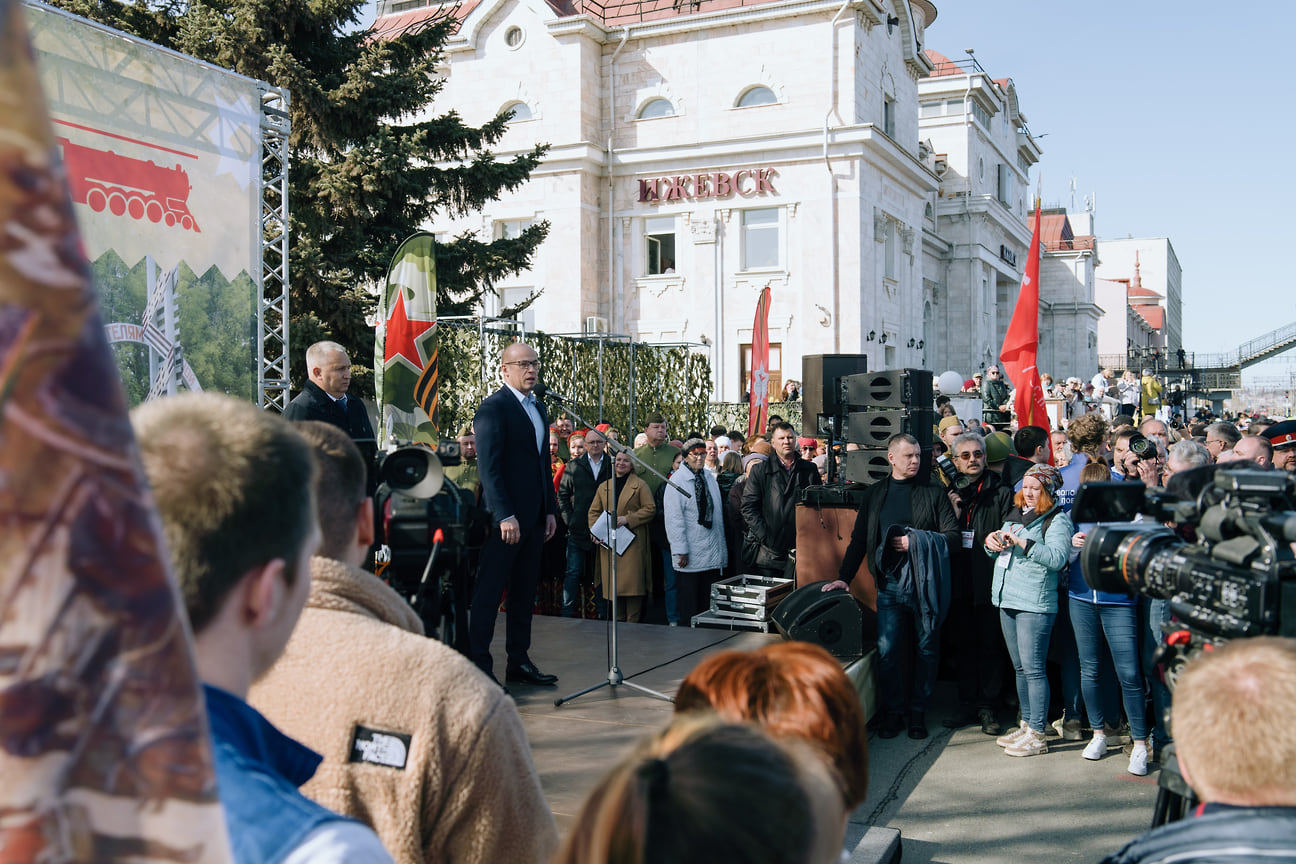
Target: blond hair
<point x="232" y="484"/>
<point x="1233" y="725"/>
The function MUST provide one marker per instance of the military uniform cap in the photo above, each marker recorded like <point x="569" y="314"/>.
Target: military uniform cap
<point x="1281" y="434"/>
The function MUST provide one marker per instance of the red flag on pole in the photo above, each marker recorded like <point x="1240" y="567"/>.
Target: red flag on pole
<point x="1021" y="343"/>
<point x="758" y="401"/>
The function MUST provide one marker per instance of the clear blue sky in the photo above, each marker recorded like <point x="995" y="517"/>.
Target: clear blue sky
<point x="1173" y="116"/>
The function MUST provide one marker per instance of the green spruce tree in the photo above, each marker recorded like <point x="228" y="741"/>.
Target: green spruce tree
<point x="364" y="174"/>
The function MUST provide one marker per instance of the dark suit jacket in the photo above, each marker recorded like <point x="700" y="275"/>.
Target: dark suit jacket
<point x="576" y="492"/>
<point x="314" y="404"/>
<point x="514" y="472"/>
<point x="931" y="510"/>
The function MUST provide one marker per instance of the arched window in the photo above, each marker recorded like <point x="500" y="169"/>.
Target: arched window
<point x="656" y="108"/>
<point x="757" y="96"/>
<point x="521" y="111"/>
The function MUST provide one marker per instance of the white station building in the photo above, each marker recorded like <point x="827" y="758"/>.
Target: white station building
<point x="703" y="149"/>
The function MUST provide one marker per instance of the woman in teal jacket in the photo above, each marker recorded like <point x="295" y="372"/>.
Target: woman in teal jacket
<point x="1033" y="546"/>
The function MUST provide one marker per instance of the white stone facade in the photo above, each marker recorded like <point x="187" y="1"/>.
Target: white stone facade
<point x="982" y="152"/>
<point x="666" y="224"/>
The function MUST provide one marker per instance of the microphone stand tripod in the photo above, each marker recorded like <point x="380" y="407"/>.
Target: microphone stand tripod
<point x="614" y="677"/>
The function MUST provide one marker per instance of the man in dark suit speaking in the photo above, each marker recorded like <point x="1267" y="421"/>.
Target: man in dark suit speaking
<point x="513" y="464"/>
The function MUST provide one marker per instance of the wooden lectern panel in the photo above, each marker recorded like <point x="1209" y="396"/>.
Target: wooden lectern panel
<point x="823" y="533"/>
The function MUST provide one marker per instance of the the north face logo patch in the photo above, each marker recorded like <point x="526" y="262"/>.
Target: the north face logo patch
<point x="380" y="748"/>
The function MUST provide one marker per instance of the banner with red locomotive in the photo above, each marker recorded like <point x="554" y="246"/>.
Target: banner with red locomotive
<point x="163" y="159"/>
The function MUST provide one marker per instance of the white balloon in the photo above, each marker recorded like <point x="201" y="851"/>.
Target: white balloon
<point x="949" y="382"/>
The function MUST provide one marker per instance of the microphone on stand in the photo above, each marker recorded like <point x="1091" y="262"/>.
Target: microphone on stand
<point x="541" y="391"/>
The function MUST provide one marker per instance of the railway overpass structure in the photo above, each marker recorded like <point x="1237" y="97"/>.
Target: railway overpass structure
<point x="1212" y="377"/>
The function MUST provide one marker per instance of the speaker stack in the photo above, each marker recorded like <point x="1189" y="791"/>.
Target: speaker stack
<point x="821" y="390"/>
<point x="879" y="405"/>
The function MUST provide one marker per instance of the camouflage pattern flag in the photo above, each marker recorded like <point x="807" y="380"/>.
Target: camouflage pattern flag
<point x="405" y="357"/>
<point x="104" y="751"/>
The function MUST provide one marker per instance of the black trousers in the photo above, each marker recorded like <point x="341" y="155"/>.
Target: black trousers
<point x="693" y="590"/>
<point x="517" y="569"/>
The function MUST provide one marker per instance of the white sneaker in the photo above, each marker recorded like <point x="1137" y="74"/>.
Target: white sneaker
<point x="1097" y="748"/>
<point x="1011" y="737"/>
<point x="1138" y="762"/>
<point x="1031" y="743"/>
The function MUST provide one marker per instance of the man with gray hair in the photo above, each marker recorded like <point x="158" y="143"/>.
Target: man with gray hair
<point x="1184" y="456"/>
<point x="1221" y="437"/>
<point x="324" y="397"/>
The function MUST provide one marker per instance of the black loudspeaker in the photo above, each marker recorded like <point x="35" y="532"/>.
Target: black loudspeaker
<point x="870" y="466"/>
<point x="897" y="388"/>
<point x="832" y="620"/>
<point x="820" y="394"/>
<point x="875" y="428"/>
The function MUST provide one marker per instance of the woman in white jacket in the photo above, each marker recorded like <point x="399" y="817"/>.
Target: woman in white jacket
<point x="695" y="528"/>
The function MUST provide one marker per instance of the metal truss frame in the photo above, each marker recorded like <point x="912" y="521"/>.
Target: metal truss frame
<point x="272" y="299"/>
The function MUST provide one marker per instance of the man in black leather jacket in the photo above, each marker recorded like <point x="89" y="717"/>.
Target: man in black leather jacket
<point x="1232" y="726"/>
<point x="981" y="501"/>
<point x="900" y="500"/>
<point x="769" y="503"/>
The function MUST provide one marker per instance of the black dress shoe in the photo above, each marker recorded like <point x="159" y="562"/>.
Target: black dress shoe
<point x="527" y="673"/>
<point x="989" y="725"/>
<point x="917" y="726"/>
<point x="963" y="717"/>
<point x="890" y="726"/>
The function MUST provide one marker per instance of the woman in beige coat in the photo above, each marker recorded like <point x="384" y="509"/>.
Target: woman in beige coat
<point x="634" y="509"/>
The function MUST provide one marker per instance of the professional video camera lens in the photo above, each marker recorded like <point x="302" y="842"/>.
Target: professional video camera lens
<point x="1115" y="558"/>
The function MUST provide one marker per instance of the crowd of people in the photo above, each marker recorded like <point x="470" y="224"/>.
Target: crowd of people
<point x="341" y="733"/>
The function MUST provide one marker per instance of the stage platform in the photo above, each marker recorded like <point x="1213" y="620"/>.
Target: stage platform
<point x="955" y="796"/>
<point x="576" y="743"/>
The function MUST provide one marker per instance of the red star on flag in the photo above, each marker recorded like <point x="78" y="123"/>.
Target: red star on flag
<point x="401" y="333"/>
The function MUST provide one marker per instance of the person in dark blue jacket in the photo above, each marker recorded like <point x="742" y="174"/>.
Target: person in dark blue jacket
<point x="1107" y="622"/>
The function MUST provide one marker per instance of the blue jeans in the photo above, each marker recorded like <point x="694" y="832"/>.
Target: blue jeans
<point x="1152" y="614"/>
<point x="1026" y="634"/>
<point x="577" y="559"/>
<point x="1062" y="645"/>
<point x="668" y="584"/>
<point x="898" y="632"/>
<point x="1119" y="626"/>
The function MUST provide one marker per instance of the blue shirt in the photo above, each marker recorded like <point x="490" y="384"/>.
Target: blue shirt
<point x="258" y="770"/>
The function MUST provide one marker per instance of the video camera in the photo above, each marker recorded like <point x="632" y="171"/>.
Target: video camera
<point x="1237" y="580"/>
<point x="433" y="532"/>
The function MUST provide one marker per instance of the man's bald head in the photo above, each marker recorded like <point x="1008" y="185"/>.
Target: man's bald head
<point x="1255" y="449"/>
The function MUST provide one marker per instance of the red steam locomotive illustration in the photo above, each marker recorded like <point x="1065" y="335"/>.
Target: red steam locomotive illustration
<point x="105" y="180"/>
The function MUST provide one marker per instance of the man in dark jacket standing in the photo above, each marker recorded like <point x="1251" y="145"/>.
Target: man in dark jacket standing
<point x="981" y="501"/>
<point x="994" y="399"/>
<point x="900" y="502"/>
<point x="324" y="397"/>
<point x="769" y="503"/>
<point x="575" y="494"/>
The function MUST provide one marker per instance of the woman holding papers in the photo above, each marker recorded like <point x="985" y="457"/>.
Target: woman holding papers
<point x="634" y="510"/>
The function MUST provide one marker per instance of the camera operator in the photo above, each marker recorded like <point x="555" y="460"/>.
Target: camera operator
<point x="1135" y="457"/>
<point x="981" y="503"/>
<point x="1237" y="748"/>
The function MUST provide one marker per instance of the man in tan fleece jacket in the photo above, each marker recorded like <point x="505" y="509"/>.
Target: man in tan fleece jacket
<point x="417" y="741"/>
